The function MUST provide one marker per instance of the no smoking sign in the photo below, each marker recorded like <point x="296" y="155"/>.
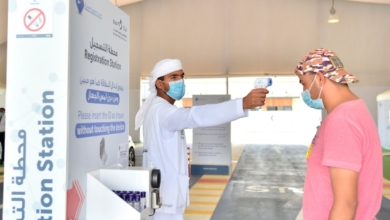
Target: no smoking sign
<point x="34" y="19"/>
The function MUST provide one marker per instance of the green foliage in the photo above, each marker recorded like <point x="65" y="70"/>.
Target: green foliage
<point x="386" y="164"/>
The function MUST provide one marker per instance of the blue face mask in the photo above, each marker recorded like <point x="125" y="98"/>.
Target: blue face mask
<point x="317" y="103"/>
<point x="1" y="114"/>
<point x="176" y="89"/>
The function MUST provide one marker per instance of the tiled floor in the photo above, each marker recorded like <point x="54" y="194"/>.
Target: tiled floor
<point x="207" y="191"/>
<point x="266" y="183"/>
<point x="205" y="195"/>
<point x="1" y="192"/>
<point x="386" y="189"/>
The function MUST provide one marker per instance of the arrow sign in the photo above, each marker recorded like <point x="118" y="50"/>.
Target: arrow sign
<point x="75" y="201"/>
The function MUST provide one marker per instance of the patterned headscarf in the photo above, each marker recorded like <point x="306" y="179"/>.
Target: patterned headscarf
<point x="326" y="62"/>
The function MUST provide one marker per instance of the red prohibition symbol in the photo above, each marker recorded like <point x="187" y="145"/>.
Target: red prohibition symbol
<point x="34" y="19"/>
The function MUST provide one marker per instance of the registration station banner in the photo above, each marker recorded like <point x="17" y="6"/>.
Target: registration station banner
<point x="211" y="149"/>
<point x="36" y="119"/>
<point x="99" y="85"/>
<point x="67" y="103"/>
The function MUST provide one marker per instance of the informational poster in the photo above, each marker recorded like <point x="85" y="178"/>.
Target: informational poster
<point x="36" y="159"/>
<point x="211" y="149"/>
<point x="99" y="82"/>
<point x="67" y="103"/>
<point x="123" y="154"/>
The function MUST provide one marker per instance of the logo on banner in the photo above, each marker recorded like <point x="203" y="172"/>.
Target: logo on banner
<point x="34" y="19"/>
<point x="34" y="2"/>
<point x="80" y="5"/>
<point x="120" y="25"/>
<point x="120" y="30"/>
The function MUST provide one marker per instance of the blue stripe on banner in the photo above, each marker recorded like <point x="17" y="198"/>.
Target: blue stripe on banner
<point x="83" y="130"/>
<point x="34" y="35"/>
<point x="209" y="169"/>
<point x="102" y="97"/>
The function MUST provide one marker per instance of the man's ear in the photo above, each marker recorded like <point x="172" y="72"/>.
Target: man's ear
<point x="321" y="79"/>
<point x="159" y="84"/>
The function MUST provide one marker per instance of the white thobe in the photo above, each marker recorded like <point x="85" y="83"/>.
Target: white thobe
<point x="165" y="142"/>
<point x="2" y="124"/>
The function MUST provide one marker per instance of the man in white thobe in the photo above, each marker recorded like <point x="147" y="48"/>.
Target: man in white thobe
<point x="164" y="123"/>
<point x="2" y="134"/>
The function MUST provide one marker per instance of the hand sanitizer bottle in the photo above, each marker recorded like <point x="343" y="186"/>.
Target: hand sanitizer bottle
<point x="143" y="201"/>
<point x="124" y="196"/>
<point x="136" y="203"/>
<point x="130" y="199"/>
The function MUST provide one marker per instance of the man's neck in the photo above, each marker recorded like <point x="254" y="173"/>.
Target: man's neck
<point x="338" y="97"/>
<point x="163" y="95"/>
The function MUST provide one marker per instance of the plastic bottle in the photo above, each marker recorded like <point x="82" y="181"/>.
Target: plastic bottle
<point x="136" y="204"/>
<point x="124" y="196"/>
<point x="130" y="200"/>
<point x="143" y="201"/>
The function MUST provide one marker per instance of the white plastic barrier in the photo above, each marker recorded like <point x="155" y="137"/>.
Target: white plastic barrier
<point x="103" y="203"/>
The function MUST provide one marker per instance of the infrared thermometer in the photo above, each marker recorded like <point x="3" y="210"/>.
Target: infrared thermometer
<point x="262" y="83"/>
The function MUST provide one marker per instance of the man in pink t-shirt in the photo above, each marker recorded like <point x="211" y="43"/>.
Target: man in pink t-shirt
<point x="344" y="162"/>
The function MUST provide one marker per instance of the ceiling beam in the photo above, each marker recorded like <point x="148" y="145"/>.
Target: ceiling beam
<point x="372" y="1"/>
<point x="120" y="3"/>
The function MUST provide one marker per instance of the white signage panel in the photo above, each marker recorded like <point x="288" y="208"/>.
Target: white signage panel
<point x="67" y="103"/>
<point x="211" y="145"/>
<point x="99" y="85"/>
<point x="36" y="115"/>
<point x="123" y="154"/>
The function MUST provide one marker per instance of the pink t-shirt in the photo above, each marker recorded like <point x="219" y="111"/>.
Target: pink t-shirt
<point x="347" y="139"/>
